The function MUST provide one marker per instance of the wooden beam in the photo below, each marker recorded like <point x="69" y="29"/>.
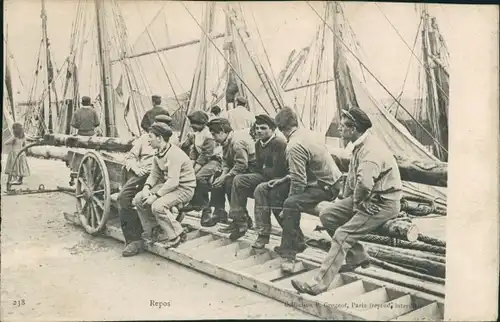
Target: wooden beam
<point x="180" y="45"/>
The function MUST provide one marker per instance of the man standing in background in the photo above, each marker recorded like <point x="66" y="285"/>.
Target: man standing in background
<point x="240" y="117"/>
<point x="149" y="117"/>
<point x="85" y="119"/>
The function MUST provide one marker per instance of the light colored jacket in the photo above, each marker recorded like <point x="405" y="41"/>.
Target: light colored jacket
<point x="173" y="168"/>
<point x="309" y="162"/>
<point x="239" y="117"/>
<point x="141" y="154"/>
<point x="373" y="170"/>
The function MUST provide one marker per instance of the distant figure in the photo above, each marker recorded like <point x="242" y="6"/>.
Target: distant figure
<point x="20" y="168"/>
<point x="149" y="117"/>
<point x="214" y="112"/>
<point x="85" y="119"/>
<point x="239" y="117"/>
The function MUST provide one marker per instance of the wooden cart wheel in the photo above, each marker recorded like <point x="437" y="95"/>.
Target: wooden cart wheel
<point x="93" y="193"/>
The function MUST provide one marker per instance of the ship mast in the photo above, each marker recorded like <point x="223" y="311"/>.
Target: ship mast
<point x="48" y="67"/>
<point x="105" y="66"/>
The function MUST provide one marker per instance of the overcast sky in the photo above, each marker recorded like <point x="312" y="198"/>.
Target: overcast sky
<point x="283" y="27"/>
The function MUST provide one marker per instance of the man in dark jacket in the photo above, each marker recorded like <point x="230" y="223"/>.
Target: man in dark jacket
<point x="85" y="119"/>
<point x="270" y="164"/>
<point x="149" y="117"/>
<point x="238" y="157"/>
<point x="200" y="146"/>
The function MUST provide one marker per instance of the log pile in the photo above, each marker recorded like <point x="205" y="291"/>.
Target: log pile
<point x="434" y="173"/>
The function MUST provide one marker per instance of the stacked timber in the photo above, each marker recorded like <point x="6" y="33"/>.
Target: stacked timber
<point x="431" y="173"/>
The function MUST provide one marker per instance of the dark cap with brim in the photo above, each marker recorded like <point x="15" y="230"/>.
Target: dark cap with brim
<point x="360" y="119"/>
<point x="265" y="119"/>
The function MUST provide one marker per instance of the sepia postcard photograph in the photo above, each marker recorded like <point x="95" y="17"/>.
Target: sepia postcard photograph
<point x="194" y="160"/>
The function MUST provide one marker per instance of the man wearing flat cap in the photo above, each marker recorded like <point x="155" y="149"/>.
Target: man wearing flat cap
<point x="238" y="157"/>
<point x="138" y="163"/>
<point x="313" y="176"/>
<point x="270" y="164"/>
<point x="372" y="195"/>
<point x="171" y="183"/>
<point x="239" y="117"/>
<point x="150" y="115"/>
<point x="200" y="147"/>
<point x="85" y="119"/>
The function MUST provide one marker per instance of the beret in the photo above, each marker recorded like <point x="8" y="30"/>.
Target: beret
<point x="161" y="129"/>
<point x="86" y="101"/>
<point x="265" y="119"/>
<point x="198" y="117"/>
<point x="218" y="121"/>
<point x="163" y="118"/>
<point x="359" y="117"/>
<point x="240" y="100"/>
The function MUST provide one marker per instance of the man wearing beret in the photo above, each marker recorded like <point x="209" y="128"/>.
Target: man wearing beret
<point x="171" y="183"/>
<point x="165" y="118"/>
<point x="372" y="195"/>
<point x="313" y="176"/>
<point x="238" y="157"/>
<point x="239" y="117"/>
<point x="85" y="119"/>
<point x="138" y="163"/>
<point x="270" y="164"/>
<point x="200" y="148"/>
<point x="150" y="115"/>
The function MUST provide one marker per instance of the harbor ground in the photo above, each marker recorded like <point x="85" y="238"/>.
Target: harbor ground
<point x="52" y="270"/>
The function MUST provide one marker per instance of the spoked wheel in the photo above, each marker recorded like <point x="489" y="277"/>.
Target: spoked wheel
<point x="93" y="193"/>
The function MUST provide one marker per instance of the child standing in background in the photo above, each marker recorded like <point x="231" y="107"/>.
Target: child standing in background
<point x="20" y="168"/>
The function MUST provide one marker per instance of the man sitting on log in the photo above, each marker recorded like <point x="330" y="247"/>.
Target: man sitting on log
<point x="138" y="164"/>
<point x="313" y="177"/>
<point x="270" y="164"/>
<point x="200" y="147"/>
<point x="372" y="195"/>
<point x="238" y="157"/>
<point x="171" y="183"/>
<point x="149" y="118"/>
<point x="85" y="119"/>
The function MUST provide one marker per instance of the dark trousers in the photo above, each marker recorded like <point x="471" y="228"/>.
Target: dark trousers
<point x="269" y="200"/>
<point x="243" y="188"/>
<point x="218" y="195"/>
<point x="292" y="236"/>
<point x="203" y="185"/>
<point x="129" y="220"/>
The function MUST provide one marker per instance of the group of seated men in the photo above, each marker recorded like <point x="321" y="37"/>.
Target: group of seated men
<point x="286" y="172"/>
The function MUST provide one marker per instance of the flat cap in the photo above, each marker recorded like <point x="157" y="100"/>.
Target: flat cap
<point x="240" y="100"/>
<point x="163" y="118"/>
<point x="161" y="129"/>
<point x="198" y="117"/>
<point x="265" y="119"/>
<point x="86" y="101"/>
<point x="218" y="121"/>
<point x="156" y="97"/>
<point x="360" y="119"/>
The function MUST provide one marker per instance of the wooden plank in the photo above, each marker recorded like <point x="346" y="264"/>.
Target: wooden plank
<point x="214" y="256"/>
<point x="279" y="274"/>
<point x="429" y="312"/>
<point x="262" y="268"/>
<point x="257" y="259"/>
<point x="241" y="254"/>
<point x="343" y="293"/>
<point x="208" y="248"/>
<point x="364" y="301"/>
<point x="320" y="306"/>
<point x="389" y="310"/>
<point x="196" y="242"/>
